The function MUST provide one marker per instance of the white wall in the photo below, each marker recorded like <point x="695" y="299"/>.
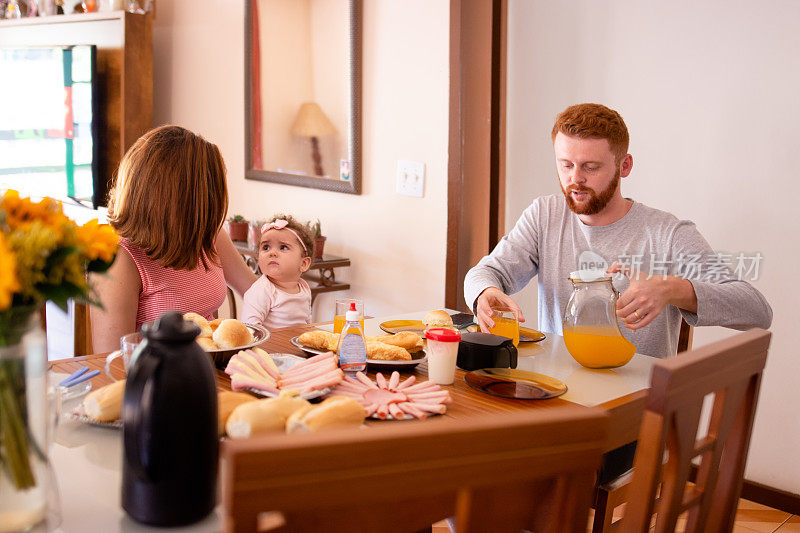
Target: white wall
<point x="396" y="244"/>
<point x="710" y="93"/>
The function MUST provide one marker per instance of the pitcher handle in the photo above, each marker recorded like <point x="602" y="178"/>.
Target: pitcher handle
<point x="109" y="358"/>
<point x="138" y="431"/>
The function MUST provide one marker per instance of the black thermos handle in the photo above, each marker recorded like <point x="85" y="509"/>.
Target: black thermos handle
<point x="138" y="453"/>
<point x="512" y="354"/>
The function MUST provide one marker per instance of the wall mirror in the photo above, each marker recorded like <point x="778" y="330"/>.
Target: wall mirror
<point x="303" y="93"/>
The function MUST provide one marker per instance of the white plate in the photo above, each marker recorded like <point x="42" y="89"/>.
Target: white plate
<point x="284" y="362"/>
<point x="374" y="416"/>
<point x="80" y="415"/>
<point x="296" y="343"/>
<point x="406" y="416"/>
<point x="260" y="334"/>
<point x="378" y="363"/>
<point x="68" y="393"/>
<point x="75" y="391"/>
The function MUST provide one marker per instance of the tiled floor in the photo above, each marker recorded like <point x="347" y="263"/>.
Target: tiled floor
<point x="750" y="517"/>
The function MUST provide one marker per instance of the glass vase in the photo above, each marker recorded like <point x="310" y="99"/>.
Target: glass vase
<point x="23" y="420"/>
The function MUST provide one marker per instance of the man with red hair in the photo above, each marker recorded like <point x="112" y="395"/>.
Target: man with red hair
<point x="669" y="269"/>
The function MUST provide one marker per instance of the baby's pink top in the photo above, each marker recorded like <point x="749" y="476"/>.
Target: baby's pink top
<point x="265" y="304"/>
<point x="168" y="289"/>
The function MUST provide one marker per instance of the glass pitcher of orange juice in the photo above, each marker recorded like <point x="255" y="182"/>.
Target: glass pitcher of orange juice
<point x="591" y="332"/>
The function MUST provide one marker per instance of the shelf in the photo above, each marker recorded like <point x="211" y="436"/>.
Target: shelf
<point x="62" y="19"/>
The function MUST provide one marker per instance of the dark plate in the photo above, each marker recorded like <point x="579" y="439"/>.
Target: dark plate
<point x="513" y="383"/>
<point x="530" y="335"/>
<point x="396" y="326"/>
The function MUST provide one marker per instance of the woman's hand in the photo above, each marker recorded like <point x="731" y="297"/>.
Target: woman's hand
<point x="494" y="298"/>
<point x="647" y="296"/>
<point x="118" y="291"/>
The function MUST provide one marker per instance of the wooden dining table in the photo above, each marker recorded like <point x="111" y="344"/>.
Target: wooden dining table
<point x="87" y="459"/>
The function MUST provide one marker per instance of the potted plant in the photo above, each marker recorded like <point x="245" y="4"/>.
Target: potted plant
<point x="237" y="228"/>
<point x="319" y="240"/>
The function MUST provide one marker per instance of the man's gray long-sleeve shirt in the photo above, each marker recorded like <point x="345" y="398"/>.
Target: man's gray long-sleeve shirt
<point x="550" y="241"/>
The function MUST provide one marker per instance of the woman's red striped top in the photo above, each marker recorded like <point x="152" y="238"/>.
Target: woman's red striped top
<point x="166" y="289"/>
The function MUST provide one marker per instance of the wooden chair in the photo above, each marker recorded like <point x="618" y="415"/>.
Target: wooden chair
<point x="685" y="337"/>
<point x="611" y="495"/>
<point x="730" y="370"/>
<point x="81" y="328"/>
<point x="231" y="304"/>
<point x="532" y="469"/>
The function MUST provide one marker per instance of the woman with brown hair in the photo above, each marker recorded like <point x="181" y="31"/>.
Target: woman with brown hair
<point x="168" y="204"/>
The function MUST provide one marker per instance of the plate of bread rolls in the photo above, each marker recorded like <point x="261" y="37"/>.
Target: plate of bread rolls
<point x="221" y="338"/>
<point x="289" y="413"/>
<point x="404" y="349"/>
<point x="103" y="407"/>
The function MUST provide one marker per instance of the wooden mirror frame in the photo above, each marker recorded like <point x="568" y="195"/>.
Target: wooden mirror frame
<point x="252" y="119"/>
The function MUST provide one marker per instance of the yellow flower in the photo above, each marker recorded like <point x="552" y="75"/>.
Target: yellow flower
<point x="99" y="241"/>
<point x="22" y="212"/>
<point x="9" y="283"/>
<point x="71" y="270"/>
<point x="32" y="246"/>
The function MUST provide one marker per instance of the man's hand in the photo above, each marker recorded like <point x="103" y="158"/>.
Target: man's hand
<point x="647" y="296"/>
<point x="494" y="298"/>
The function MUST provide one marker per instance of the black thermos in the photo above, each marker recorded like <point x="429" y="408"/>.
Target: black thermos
<point x="169" y="414"/>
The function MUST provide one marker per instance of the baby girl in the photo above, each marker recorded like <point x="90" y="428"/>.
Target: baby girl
<point x="280" y="297"/>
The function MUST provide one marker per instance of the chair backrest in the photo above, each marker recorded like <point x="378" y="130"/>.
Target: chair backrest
<point x="685" y="337"/>
<point x="730" y="370"/>
<point x="533" y="468"/>
<point x="82" y="330"/>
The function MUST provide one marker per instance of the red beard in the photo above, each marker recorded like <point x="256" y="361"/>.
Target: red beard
<point x="596" y="203"/>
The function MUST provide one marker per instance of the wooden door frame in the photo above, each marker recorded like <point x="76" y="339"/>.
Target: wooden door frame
<point x="476" y="159"/>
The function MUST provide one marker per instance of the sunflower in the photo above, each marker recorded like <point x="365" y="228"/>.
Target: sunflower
<point x="99" y="241"/>
<point x="21" y="213"/>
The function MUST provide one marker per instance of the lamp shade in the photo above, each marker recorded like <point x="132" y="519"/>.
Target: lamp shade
<point x="312" y="122"/>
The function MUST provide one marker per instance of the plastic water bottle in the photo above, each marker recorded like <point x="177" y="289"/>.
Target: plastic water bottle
<point x="352" y="347"/>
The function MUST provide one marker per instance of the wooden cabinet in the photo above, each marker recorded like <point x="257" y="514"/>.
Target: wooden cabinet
<point x="124" y="67"/>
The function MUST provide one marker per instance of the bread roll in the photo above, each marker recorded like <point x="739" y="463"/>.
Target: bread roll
<point x="437" y="319"/>
<point x="231" y="334"/>
<point x="206" y="343"/>
<point x="263" y="416"/>
<point x="320" y="339"/>
<point x="386" y="352"/>
<point x="227" y="401"/>
<point x="334" y="412"/>
<point x="105" y="404"/>
<point x="214" y="323"/>
<point x="408" y="340"/>
<point x="205" y="328"/>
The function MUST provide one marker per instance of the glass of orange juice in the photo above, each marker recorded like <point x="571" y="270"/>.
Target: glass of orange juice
<point x="505" y="324"/>
<point x="342" y="305"/>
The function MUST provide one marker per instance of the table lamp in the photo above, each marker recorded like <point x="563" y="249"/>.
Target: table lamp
<point x="312" y="122"/>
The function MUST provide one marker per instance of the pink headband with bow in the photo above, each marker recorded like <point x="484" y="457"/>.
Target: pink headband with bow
<point x="281" y="224"/>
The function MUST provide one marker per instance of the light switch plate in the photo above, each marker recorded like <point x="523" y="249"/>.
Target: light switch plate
<point x="410" y="178"/>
